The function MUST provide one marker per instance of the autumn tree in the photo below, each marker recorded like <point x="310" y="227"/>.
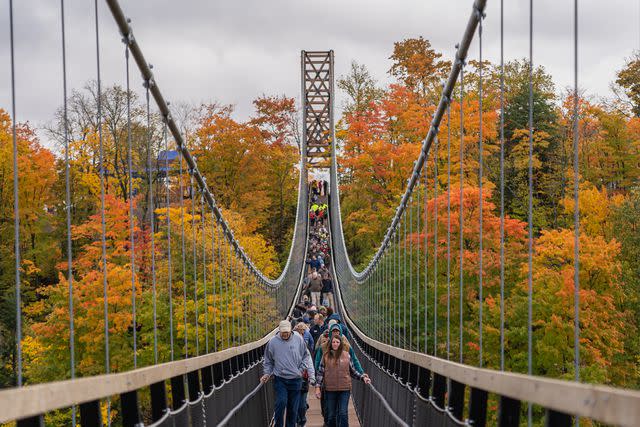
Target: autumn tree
<point x="603" y="323"/>
<point x="420" y="68"/>
<point x="277" y="119"/>
<point x="549" y="164"/>
<point x="251" y="166"/>
<point x="39" y="248"/>
<point x="360" y="87"/>
<point x="627" y="85"/>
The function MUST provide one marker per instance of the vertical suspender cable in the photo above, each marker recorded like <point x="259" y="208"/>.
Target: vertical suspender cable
<point x="16" y="204"/>
<point x="214" y="233"/>
<point x="502" y="185"/>
<point x="480" y="201"/>
<point x="530" y="212"/>
<point x="426" y="255"/>
<point x="169" y="264"/>
<point x="448" y="230"/>
<point x="418" y="257"/>
<point x="404" y="281"/>
<point x="411" y="273"/>
<point x="234" y="289"/>
<point x="67" y="201"/>
<point x="388" y="283"/>
<point x="576" y="203"/>
<point x="204" y="275"/>
<point x="398" y="295"/>
<point x="227" y="286"/>
<point x="184" y="261"/>
<point x="152" y="225"/>
<point x="195" y="256"/>
<point x="435" y="246"/>
<point x="102" y="194"/>
<point x="132" y="239"/>
<point x="385" y="284"/>
<point x="396" y="286"/>
<point x="461" y="220"/>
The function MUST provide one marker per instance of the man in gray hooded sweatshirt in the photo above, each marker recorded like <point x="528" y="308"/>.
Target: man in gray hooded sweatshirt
<point x="286" y="358"/>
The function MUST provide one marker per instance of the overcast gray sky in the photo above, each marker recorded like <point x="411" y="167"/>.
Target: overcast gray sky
<point x="232" y="51"/>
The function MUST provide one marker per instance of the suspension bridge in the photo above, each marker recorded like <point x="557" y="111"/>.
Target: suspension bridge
<point x="417" y="380"/>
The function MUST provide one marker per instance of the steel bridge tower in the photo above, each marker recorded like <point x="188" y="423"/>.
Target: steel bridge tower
<point x="317" y="112"/>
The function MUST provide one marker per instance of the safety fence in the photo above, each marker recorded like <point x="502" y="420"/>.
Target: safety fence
<point x="198" y="391"/>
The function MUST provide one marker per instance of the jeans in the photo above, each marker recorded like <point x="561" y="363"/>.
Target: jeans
<point x="287" y="396"/>
<point x="302" y="408"/>
<point x="336" y="406"/>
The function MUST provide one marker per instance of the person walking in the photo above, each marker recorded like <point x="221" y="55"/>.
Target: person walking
<point x="316" y="329"/>
<point x="315" y="286"/>
<point x="285" y="359"/>
<point x="334" y="376"/>
<point x="327" y="287"/>
<point x="302" y="329"/>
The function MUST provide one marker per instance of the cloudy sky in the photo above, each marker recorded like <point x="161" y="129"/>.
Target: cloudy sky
<point x="234" y="50"/>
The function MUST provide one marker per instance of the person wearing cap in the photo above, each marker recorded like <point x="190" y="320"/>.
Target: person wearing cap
<point x="286" y="358"/>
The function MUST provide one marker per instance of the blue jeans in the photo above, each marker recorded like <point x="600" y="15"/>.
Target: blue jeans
<point x="287" y="396"/>
<point x="337" y="408"/>
<point x="302" y="408"/>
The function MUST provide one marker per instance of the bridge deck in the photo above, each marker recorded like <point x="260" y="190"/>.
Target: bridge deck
<point x="314" y="417"/>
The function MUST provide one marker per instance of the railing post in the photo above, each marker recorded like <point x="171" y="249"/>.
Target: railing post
<point x="478" y="407"/>
<point x="439" y="389"/>
<point x="404" y="371"/>
<point x="158" y="400"/>
<point x="177" y="392"/>
<point x="193" y="383"/>
<point x="557" y="419"/>
<point x="130" y="409"/>
<point x="508" y="412"/>
<point x="90" y="414"/>
<point x="456" y="399"/>
<point x="413" y="375"/>
<point x="218" y="374"/>
<point x="36" y="421"/>
<point x="424" y="381"/>
<point x="207" y="379"/>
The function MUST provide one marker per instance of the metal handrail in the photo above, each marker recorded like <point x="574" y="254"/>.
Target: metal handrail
<point x="32" y="400"/>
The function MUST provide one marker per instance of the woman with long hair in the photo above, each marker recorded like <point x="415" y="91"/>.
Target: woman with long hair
<point x="334" y="376"/>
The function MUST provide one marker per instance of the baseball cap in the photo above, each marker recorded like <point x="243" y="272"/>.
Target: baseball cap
<point x="285" y="326"/>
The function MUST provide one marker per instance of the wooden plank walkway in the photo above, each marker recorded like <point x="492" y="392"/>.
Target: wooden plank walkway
<point x="314" y="416"/>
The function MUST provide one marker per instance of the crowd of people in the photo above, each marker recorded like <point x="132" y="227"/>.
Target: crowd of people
<point x="319" y="187"/>
<point x="317" y="353"/>
<point x="319" y="209"/>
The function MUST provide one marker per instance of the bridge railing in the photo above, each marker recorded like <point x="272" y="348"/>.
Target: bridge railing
<point x="204" y="386"/>
<point x="422" y="389"/>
